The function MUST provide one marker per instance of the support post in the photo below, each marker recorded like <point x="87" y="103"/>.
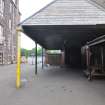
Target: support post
<point x="42" y="59"/>
<point x="88" y="63"/>
<point x="36" y="58"/>
<point x="102" y="58"/>
<point x="18" y="71"/>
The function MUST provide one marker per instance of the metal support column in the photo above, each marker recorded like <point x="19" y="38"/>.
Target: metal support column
<point x="18" y="69"/>
<point x="36" y="58"/>
<point x="42" y="59"/>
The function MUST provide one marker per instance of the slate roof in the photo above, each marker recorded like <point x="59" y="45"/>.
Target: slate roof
<point x="68" y="12"/>
<point x="100" y="2"/>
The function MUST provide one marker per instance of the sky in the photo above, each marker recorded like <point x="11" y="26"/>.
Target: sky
<point x="27" y="8"/>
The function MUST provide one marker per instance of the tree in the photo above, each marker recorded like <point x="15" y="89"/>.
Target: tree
<point x="26" y="53"/>
<point x="23" y="51"/>
<point x="39" y="51"/>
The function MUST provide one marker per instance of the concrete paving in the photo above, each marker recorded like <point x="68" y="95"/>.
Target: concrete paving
<point x="52" y="86"/>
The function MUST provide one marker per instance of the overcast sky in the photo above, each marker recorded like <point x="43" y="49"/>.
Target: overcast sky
<point x="27" y="8"/>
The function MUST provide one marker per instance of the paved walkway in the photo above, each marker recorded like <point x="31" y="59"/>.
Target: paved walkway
<point x="52" y="86"/>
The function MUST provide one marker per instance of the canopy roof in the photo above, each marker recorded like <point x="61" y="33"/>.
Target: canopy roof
<point x="100" y="2"/>
<point x="65" y="22"/>
<point x="97" y="41"/>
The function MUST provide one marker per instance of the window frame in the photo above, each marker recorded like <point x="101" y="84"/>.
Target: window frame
<point x="2" y="3"/>
<point x="1" y="34"/>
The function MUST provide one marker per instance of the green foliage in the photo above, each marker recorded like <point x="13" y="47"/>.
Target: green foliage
<point x="23" y="51"/>
<point x="39" y="51"/>
<point x="26" y="53"/>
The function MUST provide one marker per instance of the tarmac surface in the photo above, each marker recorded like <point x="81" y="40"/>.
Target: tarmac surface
<point x="52" y="86"/>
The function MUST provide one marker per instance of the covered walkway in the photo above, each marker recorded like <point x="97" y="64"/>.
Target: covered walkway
<point x="66" y="25"/>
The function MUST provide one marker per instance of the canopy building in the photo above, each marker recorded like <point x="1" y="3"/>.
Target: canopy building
<point x="66" y="25"/>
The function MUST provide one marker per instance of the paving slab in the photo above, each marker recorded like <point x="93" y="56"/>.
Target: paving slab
<point x="52" y="86"/>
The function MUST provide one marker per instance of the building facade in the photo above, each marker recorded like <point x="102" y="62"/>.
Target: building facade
<point x="9" y="18"/>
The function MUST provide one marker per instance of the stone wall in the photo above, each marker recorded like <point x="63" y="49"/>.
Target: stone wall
<point x="9" y="21"/>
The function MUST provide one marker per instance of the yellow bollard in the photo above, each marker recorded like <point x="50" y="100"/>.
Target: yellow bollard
<point x="18" y="69"/>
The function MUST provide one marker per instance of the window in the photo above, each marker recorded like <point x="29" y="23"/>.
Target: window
<point x="1" y="7"/>
<point x="9" y="43"/>
<point x="1" y="34"/>
<point x="10" y="7"/>
<point x="14" y="1"/>
<point x="10" y="24"/>
<point x="13" y="14"/>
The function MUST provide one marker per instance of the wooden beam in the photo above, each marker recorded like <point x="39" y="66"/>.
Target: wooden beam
<point x="88" y="57"/>
<point x="102" y="58"/>
<point x="96" y="41"/>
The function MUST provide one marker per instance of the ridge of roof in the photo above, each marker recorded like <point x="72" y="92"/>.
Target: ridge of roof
<point x="37" y="12"/>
